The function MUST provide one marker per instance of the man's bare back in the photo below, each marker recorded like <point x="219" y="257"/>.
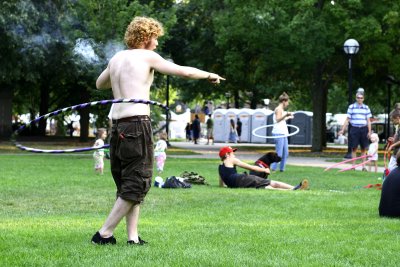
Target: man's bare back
<point x="131" y="77"/>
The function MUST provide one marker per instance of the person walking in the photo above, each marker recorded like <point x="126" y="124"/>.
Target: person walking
<point x="232" y="132"/>
<point x="210" y="129"/>
<point x="98" y="154"/>
<point x="238" y="128"/>
<point x="358" y="117"/>
<point x="196" y="129"/>
<point x="280" y="129"/>
<point x="188" y="131"/>
<point x="130" y="74"/>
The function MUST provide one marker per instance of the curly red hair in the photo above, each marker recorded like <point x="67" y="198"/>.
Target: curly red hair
<point x="141" y="30"/>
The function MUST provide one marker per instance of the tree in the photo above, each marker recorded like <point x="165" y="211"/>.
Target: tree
<point x="266" y="47"/>
<point x="43" y="64"/>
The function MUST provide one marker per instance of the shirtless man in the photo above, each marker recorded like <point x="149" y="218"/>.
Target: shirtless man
<point x="130" y="74"/>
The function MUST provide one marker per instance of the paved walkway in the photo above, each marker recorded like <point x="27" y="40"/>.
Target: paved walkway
<point x="211" y="151"/>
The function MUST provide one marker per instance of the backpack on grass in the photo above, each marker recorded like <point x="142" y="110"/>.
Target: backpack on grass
<point x="173" y="182"/>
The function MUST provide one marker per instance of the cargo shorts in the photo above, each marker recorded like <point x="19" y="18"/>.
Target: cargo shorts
<point x="131" y="156"/>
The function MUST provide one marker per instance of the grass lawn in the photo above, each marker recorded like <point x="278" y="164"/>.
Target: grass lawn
<point x="51" y="205"/>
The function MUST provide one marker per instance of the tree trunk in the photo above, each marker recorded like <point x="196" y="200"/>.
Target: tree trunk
<point x="44" y="107"/>
<point x="6" y="96"/>
<point x="319" y="98"/>
<point x="84" y="120"/>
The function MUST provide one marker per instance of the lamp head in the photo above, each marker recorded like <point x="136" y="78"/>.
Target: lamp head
<point x="351" y="47"/>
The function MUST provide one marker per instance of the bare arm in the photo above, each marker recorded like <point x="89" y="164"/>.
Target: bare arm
<point x="104" y="80"/>
<point x="280" y="115"/>
<point x="167" y="67"/>
<point x="369" y="126"/>
<point x="346" y="121"/>
<point x="244" y="165"/>
<point x="393" y="145"/>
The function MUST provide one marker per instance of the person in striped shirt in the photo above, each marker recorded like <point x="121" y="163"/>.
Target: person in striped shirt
<point x="358" y="115"/>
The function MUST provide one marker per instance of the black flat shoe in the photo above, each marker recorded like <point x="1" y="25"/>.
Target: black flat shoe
<point x="99" y="240"/>
<point x="140" y="243"/>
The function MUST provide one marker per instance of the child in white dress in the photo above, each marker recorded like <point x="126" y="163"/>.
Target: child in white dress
<point x="373" y="152"/>
<point x="98" y="154"/>
<point x="159" y="152"/>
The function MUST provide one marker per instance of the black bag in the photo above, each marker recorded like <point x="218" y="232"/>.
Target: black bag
<point x="173" y="182"/>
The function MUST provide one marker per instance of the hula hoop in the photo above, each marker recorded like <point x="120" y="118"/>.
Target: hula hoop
<point x="277" y="136"/>
<point x="355" y="166"/>
<point x="76" y="107"/>
<point x="345" y="161"/>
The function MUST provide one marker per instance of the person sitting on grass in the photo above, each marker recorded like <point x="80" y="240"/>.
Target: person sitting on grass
<point x="230" y="177"/>
<point x="389" y="205"/>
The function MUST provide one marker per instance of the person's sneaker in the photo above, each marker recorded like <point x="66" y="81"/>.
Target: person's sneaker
<point x="303" y="185"/>
<point x="99" y="240"/>
<point x="364" y="170"/>
<point x="140" y="243"/>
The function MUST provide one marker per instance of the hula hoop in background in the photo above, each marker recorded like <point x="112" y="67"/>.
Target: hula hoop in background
<point x="76" y="107"/>
<point x="345" y="161"/>
<point x="277" y="136"/>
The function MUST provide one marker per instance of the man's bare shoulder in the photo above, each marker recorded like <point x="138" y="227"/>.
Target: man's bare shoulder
<point x="134" y="53"/>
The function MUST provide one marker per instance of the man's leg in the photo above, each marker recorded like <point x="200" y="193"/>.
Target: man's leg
<point x="285" y="153"/>
<point x="281" y="185"/>
<point x="353" y="155"/>
<point x="120" y="209"/>
<point x="363" y="159"/>
<point x="132" y="220"/>
<point x="278" y="150"/>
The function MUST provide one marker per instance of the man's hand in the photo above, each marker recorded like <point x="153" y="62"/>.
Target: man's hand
<point x="215" y="78"/>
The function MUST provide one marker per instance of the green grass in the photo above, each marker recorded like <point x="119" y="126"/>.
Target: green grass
<point x="51" y="205"/>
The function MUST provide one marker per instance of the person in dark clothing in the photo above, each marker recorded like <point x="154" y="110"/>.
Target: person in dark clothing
<point x="229" y="176"/>
<point x="239" y="128"/>
<point x="196" y="128"/>
<point x="188" y="130"/>
<point x="389" y="205"/>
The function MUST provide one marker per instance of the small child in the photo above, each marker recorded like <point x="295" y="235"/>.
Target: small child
<point x="373" y="152"/>
<point x="159" y="152"/>
<point x="98" y="154"/>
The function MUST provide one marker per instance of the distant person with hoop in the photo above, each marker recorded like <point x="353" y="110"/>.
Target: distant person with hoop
<point x="280" y="129"/>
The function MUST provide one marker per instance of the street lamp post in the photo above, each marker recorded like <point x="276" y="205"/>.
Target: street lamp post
<point x="228" y="95"/>
<point x="351" y="48"/>
<point x="389" y="86"/>
<point x="167" y="119"/>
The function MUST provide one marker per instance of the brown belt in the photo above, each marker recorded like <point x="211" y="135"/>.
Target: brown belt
<point x="132" y="118"/>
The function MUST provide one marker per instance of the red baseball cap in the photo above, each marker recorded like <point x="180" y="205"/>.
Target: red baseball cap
<point x="226" y="149"/>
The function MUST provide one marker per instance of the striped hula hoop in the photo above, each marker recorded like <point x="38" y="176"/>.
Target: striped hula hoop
<point x="77" y="107"/>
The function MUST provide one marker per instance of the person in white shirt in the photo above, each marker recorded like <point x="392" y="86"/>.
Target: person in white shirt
<point x="280" y="129"/>
<point x="98" y="154"/>
<point x="159" y="152"/>
<point x="373" y="152"/>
